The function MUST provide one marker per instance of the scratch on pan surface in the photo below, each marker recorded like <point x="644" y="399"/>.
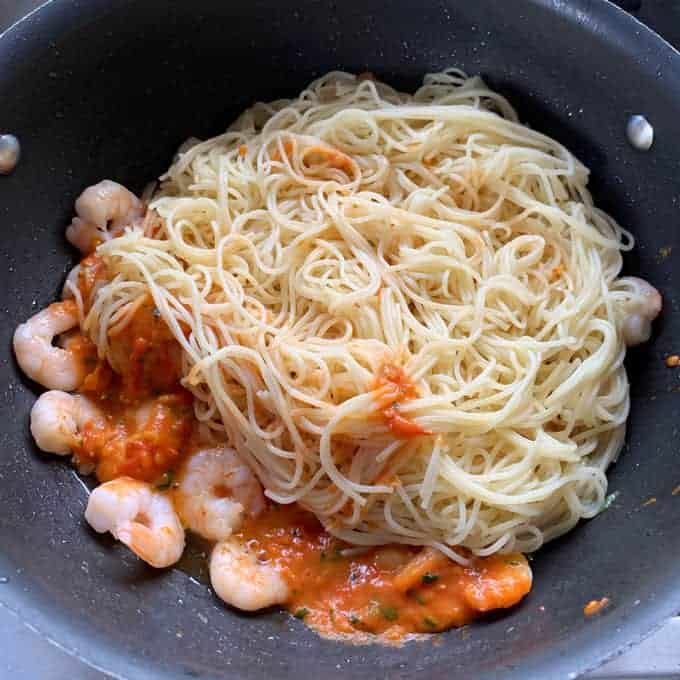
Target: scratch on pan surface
<point x="81" y="482"/>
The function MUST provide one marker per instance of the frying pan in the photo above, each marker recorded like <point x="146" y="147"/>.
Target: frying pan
<point x="109" y="88"/>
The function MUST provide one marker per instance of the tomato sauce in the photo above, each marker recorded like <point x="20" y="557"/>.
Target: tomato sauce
<point x="93" y="271"/>
<point x="394" y="388"/>
<point x="81" y="346"/>
<point x="315" y="159"/>
<point x="318" y="158"/>
<point x="143" y="440"/>
<point x="391" y="591"/>
<point x="148" y="417"/>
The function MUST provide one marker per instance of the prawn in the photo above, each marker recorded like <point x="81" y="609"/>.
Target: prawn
<point x="56" y="368"/>
<point x="140" y="517"/>
<point x="637" y="325"/>
<point x="242" y="581"/>
<point x="58" y="418"/>
<point x="103" y="211"/>
<point x="214" y="491"/>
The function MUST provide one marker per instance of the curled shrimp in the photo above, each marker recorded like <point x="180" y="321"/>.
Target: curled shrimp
<point x="56" y="368"/>
<point x="241" y="580"/>
<point x="58" y="418"/>
<point x="140" y="517"/>
<point x="103" y="211"/>
<point x="641" y="311"/>
<point x="214" y="490"/>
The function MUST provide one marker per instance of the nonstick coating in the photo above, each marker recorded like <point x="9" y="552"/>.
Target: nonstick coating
<point x="109" y="88"/>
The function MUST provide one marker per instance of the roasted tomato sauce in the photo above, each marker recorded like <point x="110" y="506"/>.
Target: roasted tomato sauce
<point x="393" y="389"/>
<point x="148" y="417"/>
<point x="338" y="589"/>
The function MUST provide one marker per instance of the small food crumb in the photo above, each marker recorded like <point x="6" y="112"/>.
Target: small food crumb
<point x="649" y="501"/>
<point x="609" y="500"/>
<point x="556" y="272"/>
<point x="595" y="606"/>
<point x="672" y="361"/>
<point x="676" y="491"/>
<point x="242" y="150"/>
<point x="665" y="251"/>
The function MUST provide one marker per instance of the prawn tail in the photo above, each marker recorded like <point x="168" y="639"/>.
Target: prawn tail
<point x="159" y="549"/>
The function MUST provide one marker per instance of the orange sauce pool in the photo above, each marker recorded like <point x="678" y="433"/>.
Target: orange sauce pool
<point x="391" y="591"/>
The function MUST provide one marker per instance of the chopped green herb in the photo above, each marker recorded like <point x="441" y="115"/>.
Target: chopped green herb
<point x="609" y="500"/>
<point x="430" y="623"/>
<point x="390" y="613"/>
<point x="165" y="480"/>
<point x="333" y="556"/>
<point x="429" y="577"/>
<point x="301" y="613"/>
<point x="354" y="619"/>
<point x="420" y="599"/>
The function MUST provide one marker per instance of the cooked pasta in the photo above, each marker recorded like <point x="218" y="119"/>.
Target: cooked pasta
<point x="403" y="311"/>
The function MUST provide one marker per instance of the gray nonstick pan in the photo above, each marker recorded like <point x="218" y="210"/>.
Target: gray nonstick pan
<point x="109" y="88"/>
